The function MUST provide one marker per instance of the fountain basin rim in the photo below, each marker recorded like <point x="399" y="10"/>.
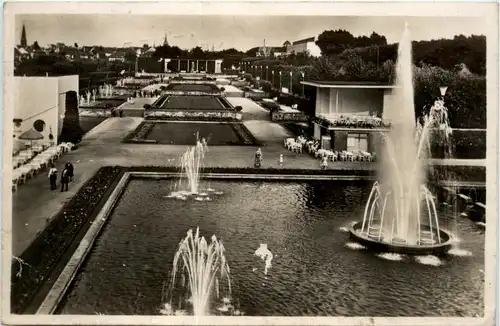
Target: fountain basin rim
<point x="380" y="246"/>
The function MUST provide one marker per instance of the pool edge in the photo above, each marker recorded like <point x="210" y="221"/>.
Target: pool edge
<point x="64" y="280"/>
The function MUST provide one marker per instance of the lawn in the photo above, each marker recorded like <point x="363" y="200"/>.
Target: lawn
<point x="193" y="88"/>
<point x="192" y="103"/>
<point x="87" y="123"/>
<point x="182" y="133"/>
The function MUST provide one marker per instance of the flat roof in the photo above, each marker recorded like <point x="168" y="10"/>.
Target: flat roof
<point x="346" y="84"/>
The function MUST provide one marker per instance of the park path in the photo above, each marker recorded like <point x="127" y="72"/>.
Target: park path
<point x="258" y="121"/>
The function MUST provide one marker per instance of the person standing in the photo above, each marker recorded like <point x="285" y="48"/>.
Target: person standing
<point x="280" y="161"/>
<point x="53" y="177"/>
<point x="324" y="162"/>
<point x="71" y="171"/>
<point x="64" y="179"/>
<point x="258" y="158"/>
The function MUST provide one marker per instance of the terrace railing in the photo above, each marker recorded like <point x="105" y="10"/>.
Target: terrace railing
<point x="351" y="121"/>
<point x="193" y="93"/>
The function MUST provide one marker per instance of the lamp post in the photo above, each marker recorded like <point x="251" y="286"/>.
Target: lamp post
<point x="267" y="73"/>
<point x="303" y="78"/>
<point x="443" y="90"/>
<point x="280" y="82"/>
<point x="291" y="89"/>
<point x="272" y="73"/>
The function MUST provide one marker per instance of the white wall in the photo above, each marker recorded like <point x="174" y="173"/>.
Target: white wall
<point x="358" y="100"/>
<point x="350" y="100"/>
<point x="313" y="49"/>
<point x="310" y="47"/>
<point x="36" y="98"/>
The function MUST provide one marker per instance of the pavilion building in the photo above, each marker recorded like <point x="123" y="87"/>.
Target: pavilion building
<point x="350" y="115"/>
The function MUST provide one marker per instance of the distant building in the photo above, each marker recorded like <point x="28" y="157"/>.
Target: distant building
<point x="307" y="45"/>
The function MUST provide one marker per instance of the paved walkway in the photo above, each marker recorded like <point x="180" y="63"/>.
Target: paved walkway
<point x="34" y="205"/>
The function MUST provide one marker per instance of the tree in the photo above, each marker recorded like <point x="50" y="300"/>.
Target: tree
<point x="36" y="46"/>
<point x="76" y="45"/>
<point x="71" y="130"/>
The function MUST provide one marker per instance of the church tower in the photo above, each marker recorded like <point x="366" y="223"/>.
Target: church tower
<point x="24" y="41"/>
<point x="165" y="40"/>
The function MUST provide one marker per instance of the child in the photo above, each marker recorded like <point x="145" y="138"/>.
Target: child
<point x="324" y="162"/>
<point x="258" y="158"/>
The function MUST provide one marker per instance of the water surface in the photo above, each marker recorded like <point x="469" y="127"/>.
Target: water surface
<point x="314" y="272"/>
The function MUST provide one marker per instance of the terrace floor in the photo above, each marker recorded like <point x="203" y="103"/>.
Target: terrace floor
<point x="34" y="204"/>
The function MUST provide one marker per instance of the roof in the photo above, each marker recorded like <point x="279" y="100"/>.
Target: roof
<point x="346" y="84"/>
<point x="306" y="40"/>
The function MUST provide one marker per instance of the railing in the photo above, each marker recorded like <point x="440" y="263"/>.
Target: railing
<point x="289" y="116"/>
<point x="351" y="121"/>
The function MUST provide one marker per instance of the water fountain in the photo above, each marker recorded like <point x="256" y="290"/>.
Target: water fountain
<point x="189" y="182"/>
<point x="200" y="273"/>
<point x="400" y="214"/>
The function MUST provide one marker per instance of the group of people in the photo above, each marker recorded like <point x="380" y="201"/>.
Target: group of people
<point x="259" y="158"/>
<point x="115" y="110"/>
<point x="67" y="175"/>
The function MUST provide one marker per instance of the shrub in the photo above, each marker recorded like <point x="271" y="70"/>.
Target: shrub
<point x="71" y="130"/>
<point x="147" y="106"/>
<point x="54" y="241"/>
<point x="238" y="108"/>
<point x="466" y="144"/>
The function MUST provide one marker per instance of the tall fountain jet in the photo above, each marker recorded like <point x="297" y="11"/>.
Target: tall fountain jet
<point x="200" y="273"/>
<point x="400" y="213"/>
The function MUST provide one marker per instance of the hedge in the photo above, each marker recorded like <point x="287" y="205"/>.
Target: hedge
<point x="466" y="144"/>
<point x="53" y="243"/>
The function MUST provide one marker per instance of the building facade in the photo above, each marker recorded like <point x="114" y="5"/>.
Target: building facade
<point x="350" y="116"/>
<point x="307" y="45"/>
<point x="40" y="103"/>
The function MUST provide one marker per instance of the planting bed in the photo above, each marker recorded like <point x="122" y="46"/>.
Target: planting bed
<point x="48" y="253"/>
<point x="87" y="122"/>
<point x="193" y="88"/>
<point x="184" y="133"/>
<point x="186" y="102"/>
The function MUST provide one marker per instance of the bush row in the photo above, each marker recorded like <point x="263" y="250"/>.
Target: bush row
<point x="466" y="144"/>
<point x="53" y="242"/>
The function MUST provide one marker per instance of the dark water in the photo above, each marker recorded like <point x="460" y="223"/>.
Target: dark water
<point x="313" y="272"/>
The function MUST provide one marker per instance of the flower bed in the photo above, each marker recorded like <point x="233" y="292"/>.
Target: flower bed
<point x="351" y="121"/>
<point x="52" y="245"/>
<point x="193" y="93"/>
<point x="140" y="134"/>
<point x="204" y="115"/>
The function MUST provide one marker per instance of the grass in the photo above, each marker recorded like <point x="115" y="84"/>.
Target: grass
<point x="87" y="123"/>
<point x="182" y="133"/>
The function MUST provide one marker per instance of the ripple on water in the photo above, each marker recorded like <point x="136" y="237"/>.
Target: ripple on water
<point x="344" y="229"/>
<point x="391" y="256"/>
<point x="354" y="246"/>
<point x="459" y="252"/>
<point x="428" y="260"/>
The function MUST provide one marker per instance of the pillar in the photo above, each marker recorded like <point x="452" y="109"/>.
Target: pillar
<point x="197" y="67"/>
<point x="206" y="66"/>
<point x="178" y="65"/>
<point x="317" y="131"/>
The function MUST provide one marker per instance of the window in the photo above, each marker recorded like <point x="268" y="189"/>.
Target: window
<point x="357" y="142"/>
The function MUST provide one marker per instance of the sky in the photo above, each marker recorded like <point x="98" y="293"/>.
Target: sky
<point x="223" y="32"/>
